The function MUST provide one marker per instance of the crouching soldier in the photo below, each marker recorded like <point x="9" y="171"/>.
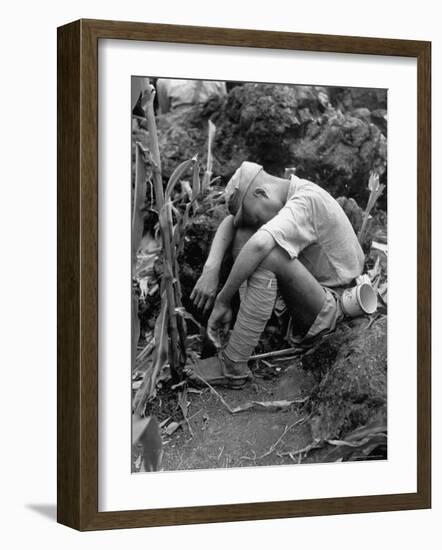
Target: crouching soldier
<point x="288" y="238"/>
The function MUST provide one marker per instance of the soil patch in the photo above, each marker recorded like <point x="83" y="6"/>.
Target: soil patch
<point x="219" y="439"/>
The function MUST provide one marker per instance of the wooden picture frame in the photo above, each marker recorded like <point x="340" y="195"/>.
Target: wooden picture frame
<point x="77" y="225"/>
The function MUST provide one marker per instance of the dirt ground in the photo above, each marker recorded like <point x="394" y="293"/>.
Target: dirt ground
<point x="326" y="404"/>
<point x="216" y="438"/>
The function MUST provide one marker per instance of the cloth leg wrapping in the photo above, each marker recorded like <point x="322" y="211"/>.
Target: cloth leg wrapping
<point x="258" y="297"/>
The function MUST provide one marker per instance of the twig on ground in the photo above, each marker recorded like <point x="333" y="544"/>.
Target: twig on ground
<point x="270" y="405"/>
<point x="220" y="397"/>
<point x="316" y="443"/>
<point x="220" y="453"/>
<point x="181" y="461"/>
<point x="253" y="458"/>
<point x="194" y="414"/>
<point x="187" y="419"/>
<point x="184" y="406"/>
<point x="373" y="320"/>
<point x="278" y="353"/>
<point x="277" y="442"/>
<point x="279" y="360"/>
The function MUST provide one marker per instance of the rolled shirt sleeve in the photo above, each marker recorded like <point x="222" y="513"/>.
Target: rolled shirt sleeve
<point x="293" y="228"/>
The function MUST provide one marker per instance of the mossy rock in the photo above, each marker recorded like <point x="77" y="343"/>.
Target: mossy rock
<point x="351" y="367"/>
<point x="329" y="141"/>
<point x="339" y="152"/>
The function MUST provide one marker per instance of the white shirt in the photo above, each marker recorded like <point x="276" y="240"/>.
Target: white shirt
<point x="313" y="228"/>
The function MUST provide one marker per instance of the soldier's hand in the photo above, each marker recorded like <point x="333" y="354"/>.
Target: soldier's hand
<point x="204" y="293"/>
<point x="219" y="322"/>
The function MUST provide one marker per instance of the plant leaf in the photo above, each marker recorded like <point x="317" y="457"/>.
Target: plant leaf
<point x="373" y="182"/>
<point x="196" y="183"/>
<point x="135" y="327"/>
<point x="147" y="389"/>
<point x="162" y="343"/>
<point x="212" y="130"/>
<point x="146" y="437"/>
<point x="182" y="312"/>
<point x="138" y="203"/>
<point x="177" y="174"/>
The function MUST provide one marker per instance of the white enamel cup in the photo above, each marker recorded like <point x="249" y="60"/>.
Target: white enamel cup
<point x="359" y="300"/>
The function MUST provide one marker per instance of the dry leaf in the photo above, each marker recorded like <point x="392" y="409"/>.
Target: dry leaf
<point x="172" y="428"/>
<point x="146" y="437"/>
<point x="268" y="405"/>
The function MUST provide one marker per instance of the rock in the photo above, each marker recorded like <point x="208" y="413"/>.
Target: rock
<point x="182" y="134"/>
<point x="351" y="368"/>
<point x="330" y="138"/>
<point x="339" y="152"/>
<point x="366" y="103"/>
<point x="354" y="212"/>
<point x="259" y="122"/>
<point x="255" y="122"/>
<point x="354" y="98"/>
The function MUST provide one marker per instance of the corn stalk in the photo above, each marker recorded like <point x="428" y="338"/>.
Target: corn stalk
<point x="136" y="235"/>
<point x="171" y="320"/>
<point x="165" y="217"/>
<point x="146" y="436"/>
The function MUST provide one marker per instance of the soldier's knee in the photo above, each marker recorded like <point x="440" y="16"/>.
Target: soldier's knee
<point x="275" y="260"/>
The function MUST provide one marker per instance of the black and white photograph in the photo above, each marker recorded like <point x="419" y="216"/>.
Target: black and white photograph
<point x="259" y="283"/>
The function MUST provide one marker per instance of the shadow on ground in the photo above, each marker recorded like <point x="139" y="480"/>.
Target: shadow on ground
<point x="49" y="511"/>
